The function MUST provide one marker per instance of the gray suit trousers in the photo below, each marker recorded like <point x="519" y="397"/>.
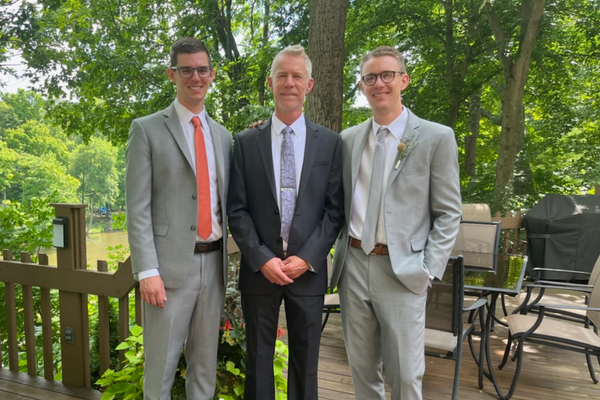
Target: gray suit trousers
<point x="200" y="302"/>
<point x="384" y="324"/>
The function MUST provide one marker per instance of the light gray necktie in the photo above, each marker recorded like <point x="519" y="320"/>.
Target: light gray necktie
<point x="375" y="192"/>
<point x="288" y="183"/>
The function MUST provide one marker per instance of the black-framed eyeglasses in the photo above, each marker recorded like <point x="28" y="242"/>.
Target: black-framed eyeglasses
<point x="386" y="77"/>
<point x="188" y="72"/>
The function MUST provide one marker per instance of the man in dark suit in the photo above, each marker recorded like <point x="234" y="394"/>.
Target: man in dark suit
<point x="177" y="180"/>
<point x="285" y="211"/>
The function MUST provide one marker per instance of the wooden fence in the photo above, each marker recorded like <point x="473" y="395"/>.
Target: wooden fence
<point x="75" y="283"/>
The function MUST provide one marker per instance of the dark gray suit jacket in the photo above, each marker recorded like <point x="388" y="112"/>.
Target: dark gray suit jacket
<point x="254" y="219"/>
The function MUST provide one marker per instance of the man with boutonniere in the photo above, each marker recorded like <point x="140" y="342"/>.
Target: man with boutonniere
<point x="403" y="209"/>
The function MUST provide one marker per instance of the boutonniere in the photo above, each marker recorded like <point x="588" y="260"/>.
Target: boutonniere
<point x="404" y="147"/>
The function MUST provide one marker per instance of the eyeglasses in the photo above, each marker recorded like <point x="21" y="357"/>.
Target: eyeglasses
<point x="188" y="72"/>
<point x="386" y="77"/>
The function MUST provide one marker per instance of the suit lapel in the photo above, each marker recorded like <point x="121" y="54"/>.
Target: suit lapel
<point x="263" y="143"/>
<point x="174" y="126"/>
<point x="410" y="132"/>
<point x="219" y="158"/>
<point x="310" y="153"/>
<point x="358" y="147"/>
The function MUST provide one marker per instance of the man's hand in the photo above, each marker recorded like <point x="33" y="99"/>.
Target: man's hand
<point x="272" y="271"/>
<point x="294" y="267"/>
<point x="255" y="124"/>
<point x="153" y="291"/>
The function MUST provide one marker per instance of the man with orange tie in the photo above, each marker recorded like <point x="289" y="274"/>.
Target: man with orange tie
<point x="176" y="183"/>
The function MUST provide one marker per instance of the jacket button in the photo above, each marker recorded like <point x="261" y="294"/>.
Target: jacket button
<point x="193" y="227"/>
<point x="276" y="211"/>
<point x="194" y="197"/>
<point x="279" y="240"/>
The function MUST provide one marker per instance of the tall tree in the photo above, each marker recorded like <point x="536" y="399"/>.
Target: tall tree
<point x="94" y="166"/>
<point x="515" y="56"/>
<point x="326" y="51"/>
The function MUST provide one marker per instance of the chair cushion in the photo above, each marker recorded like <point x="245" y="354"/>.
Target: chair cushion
<point x="552" y="328"/>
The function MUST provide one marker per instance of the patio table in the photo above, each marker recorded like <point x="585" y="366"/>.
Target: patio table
<point x="507" y="279"/>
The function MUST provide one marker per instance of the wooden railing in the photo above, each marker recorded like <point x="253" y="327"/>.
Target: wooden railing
<point x="74" y="283"/>
<point x="513" y="238"/>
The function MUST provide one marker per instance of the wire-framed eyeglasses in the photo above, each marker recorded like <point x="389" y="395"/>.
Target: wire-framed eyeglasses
<point x="188" y="72"/>
<point x="386" y="77"/>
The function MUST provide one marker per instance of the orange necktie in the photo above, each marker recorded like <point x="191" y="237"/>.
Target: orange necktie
<point x="202" y="182"/>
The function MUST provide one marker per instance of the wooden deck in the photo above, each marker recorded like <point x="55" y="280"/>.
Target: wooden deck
<point x="548" y="374"/>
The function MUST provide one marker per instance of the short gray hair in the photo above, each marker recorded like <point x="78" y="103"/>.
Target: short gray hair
<point x="383" y="51"/>
<point x="295" y="50"/>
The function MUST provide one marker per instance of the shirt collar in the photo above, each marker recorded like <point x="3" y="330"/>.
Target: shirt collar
<point x="298" y="126"/>
<point x="397" y="126"/>
<point x="186" y="115"/>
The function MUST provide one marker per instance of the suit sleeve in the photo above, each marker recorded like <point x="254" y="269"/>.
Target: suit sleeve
<point x="138" y="186"/>
<point x="445" y="204"/>
<point x="241" y="224"/>
<point x="317" y="246"/>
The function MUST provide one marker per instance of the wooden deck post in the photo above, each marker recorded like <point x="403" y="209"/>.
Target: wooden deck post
<point x="74" y="325"/>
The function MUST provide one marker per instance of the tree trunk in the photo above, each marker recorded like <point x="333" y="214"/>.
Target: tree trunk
<point x="515" y="78"/>
<point x="326" y="51"/>
<point x="471" y="140"/>
<point x="264" y="68"/>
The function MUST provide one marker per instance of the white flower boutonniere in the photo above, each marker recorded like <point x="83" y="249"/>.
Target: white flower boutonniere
<point x="404" y="147"/>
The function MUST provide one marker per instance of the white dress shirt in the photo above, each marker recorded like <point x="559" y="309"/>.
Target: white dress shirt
<point x="299" y="140"/>
<point x="360" y="198"/>
<point x="185" y="119"/>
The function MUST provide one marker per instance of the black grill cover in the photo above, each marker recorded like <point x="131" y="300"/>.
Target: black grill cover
<point x="563" y="232"/>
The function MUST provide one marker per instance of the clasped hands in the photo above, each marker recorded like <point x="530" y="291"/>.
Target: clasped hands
<point x="283" y="272"/>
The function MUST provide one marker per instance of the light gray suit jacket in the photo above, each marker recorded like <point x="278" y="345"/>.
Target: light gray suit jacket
<point x="162" y="205"/>
<point x="422" y="201"/>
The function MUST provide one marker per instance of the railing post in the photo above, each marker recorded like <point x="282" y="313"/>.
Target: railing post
<point x="74" y="327"/>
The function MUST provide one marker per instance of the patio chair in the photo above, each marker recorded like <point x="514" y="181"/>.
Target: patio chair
<point x="477" y="242"/>
<point x="476" y="212"/>
<point x="331" y="303"/>
<point x="571" y="294"/>
<point x="445" y="331"/>
<point x="555" y="333"/>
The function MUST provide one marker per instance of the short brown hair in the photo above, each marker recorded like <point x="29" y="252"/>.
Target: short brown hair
<point x="187" y="45"/>
<point x="384" y="51"/>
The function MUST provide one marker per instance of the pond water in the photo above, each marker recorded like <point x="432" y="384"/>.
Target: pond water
<point x="97" y="246"/>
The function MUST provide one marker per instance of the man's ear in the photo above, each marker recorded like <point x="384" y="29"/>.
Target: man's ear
<point x="270" y="83"/>
<point x="171" y="75"/>
<point x="310" y="85"/>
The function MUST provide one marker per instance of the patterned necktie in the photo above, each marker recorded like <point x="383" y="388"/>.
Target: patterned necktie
<point x="375" y="192"/>
<point x="202" y="182"/>
<point x="288" y="183"/>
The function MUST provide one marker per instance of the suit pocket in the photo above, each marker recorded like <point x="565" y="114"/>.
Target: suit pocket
<point x="160" y="229"/>
<point x="418" y="244"/>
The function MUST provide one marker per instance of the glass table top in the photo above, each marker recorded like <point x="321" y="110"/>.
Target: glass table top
<point x="507" y="278"/>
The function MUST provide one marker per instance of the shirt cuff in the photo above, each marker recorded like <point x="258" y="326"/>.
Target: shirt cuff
<point x="148" y="274"/>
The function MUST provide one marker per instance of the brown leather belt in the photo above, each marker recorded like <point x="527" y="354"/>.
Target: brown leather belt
<point x="206" y="247"/>
<point x="380" y="249"/>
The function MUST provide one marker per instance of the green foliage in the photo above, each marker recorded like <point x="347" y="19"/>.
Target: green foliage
<point x="239" y="121"/>
<point x="94" y="166"/>
<point x="26" y="227"/>
<point x="119" y="221"/>
<point x="128" y="382"/>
